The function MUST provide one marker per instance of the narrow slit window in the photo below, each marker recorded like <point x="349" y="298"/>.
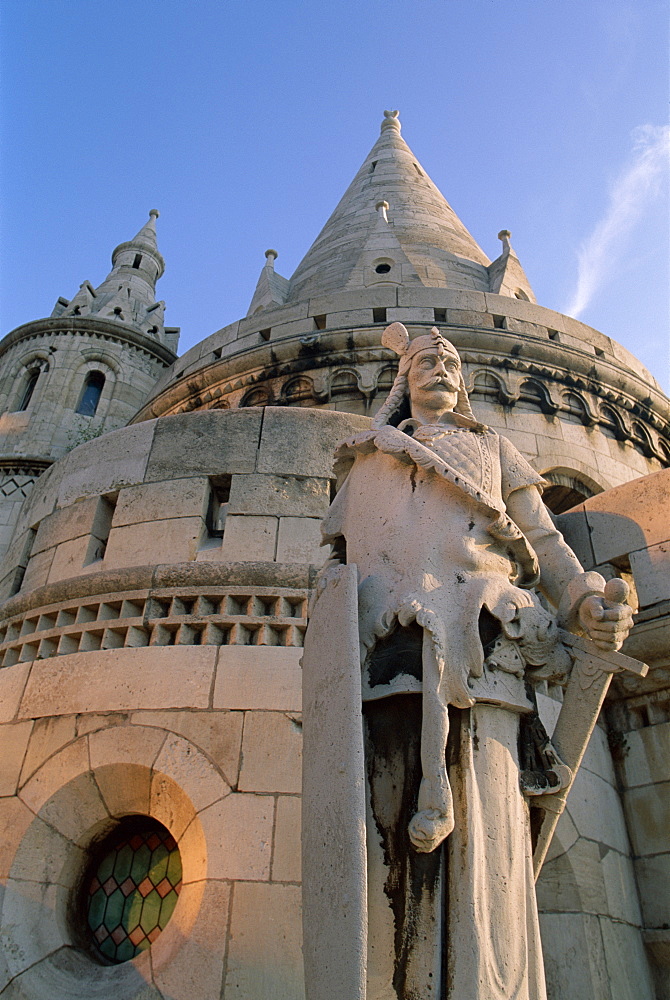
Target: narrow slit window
<point x="101" y="528"/>
<point x="29" y="388"/>
<point x="137" y="261"/>
<point x="217" y="508"/>
<point x="320" y="322"/>
<point x="372" y="166"/>
<point x="440" y="315"/>
<point x="379" y="315"/>
<point x="90" y="394"/>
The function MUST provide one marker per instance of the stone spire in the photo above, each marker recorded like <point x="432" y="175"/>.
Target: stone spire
<point x="506" y="275"/>
<point x="271" y="288"/>
<point x="128" y="293"/>
<point x="440" y="250"/>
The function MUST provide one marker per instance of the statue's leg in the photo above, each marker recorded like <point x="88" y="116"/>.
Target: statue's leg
<point x="405" y="887"/>
<point x="434" y="819"/>
<point x="494" y="950"/>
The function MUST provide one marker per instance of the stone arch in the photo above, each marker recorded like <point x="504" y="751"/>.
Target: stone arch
<point x="257" y="396"/>
<point x="612" y="423"/>
<point x="72" y="800"/>
<point x="568" y="487"/>
<point x="642" y="439"/>
<point x="488" y="385"/>
<point x="344" y="380"/>
<point x="298" y="391"/>
<point x="386" y="377"/>
<point x="22" y="378"/>
<point x="95" y="361"/>
<point x="575" y="408"/>
<point x="533" y="392"/>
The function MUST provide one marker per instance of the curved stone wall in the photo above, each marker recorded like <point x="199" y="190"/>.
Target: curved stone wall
<point x="151" y="666"/>
<point x="578" y="405"/>
<point x="43" y="371"/>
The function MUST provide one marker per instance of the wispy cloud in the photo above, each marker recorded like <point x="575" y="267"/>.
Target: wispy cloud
<point x="631" y="192"/>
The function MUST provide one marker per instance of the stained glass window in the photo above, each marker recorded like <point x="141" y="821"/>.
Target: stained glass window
<point x="132" y="889"/>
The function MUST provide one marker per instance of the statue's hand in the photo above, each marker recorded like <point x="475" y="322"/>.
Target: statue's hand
<point x="607" y="619"/>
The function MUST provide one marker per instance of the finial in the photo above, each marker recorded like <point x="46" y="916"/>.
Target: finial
<point x="382" y="207"/>
<point x="391" y="121"/>
<point x="504" y="236"/>
<point x="271" y="256"/>
<point x="154" y="213"/>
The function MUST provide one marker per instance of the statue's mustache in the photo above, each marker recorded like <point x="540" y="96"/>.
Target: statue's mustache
<point x="448" y="383"/>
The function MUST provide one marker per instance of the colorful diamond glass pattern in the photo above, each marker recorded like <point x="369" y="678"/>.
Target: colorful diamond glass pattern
<point x="132" y="892"/>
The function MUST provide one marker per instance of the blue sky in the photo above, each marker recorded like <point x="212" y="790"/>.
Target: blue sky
<point x="244" y="121"/>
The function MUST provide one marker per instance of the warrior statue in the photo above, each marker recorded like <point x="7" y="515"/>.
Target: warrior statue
<point x="458" y="562"/>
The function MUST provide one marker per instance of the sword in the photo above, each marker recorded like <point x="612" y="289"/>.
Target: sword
<point x="585" y="693"/>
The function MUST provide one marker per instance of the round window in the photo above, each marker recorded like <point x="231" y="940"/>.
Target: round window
<point x="131" y="888"/>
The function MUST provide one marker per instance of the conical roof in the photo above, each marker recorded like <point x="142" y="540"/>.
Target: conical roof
<point x="440" y="248"/>
<point x="128" y="293"/>
<point x="145" y="240"/>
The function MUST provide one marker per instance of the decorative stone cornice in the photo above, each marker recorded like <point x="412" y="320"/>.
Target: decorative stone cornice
<point x="25" y="465"/>
<point x="87" y="325"/>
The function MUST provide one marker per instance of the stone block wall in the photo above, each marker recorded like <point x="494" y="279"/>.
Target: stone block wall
<point x="572" y="400"/>
<point x="587" y="890"/>
<point x="144" y="495"/>
<point x="145" y="671"/>
<point x="625" y="530"/>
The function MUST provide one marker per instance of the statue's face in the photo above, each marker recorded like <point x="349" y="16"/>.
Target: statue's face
<point x="433" y="379"/>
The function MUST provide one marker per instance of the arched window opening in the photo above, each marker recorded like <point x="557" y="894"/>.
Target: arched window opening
<point x="565" y="491"/>
<point x="31" y="381"/>
<point x="90" y="394"/>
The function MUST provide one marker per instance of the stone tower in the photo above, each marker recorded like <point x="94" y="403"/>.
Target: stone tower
<point x="83" y="371"/>
<point x="151" y="650"/>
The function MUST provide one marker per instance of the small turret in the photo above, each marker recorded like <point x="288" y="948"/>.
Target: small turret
<point x="506" y="275"/>
<point x="128" y="293"/>
<point x="271" y="288"/>
<point x="83" y="371"/>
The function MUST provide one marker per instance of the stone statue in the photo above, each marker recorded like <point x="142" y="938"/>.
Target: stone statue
<point x="444" y="521"/>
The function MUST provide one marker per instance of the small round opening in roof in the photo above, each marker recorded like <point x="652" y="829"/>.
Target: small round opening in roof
<point x="130" y="889"/>
<point x="383" y="268"/>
